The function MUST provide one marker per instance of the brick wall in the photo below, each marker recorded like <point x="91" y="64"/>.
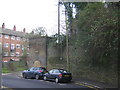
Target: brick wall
<point x="8" y="49"/>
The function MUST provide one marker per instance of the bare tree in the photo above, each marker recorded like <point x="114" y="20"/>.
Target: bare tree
<point x="40" y="31"/>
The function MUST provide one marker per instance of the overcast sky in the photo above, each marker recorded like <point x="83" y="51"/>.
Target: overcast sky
<point x="29" y="14"/>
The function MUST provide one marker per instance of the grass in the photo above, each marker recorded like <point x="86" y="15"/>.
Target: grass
<point x="21" y="68"/>
<point x="18" y="66"/>
<point x="5" y="70"/>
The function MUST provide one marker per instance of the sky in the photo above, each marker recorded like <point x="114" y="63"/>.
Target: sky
<point x="29" y="14"/>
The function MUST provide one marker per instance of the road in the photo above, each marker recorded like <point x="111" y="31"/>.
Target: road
<point x="15" y="81"/>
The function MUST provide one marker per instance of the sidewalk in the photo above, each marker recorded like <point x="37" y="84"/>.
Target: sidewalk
<point x="93" y="84"/>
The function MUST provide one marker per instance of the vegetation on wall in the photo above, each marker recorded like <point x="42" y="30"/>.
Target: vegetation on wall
<point x="93" y="41"/>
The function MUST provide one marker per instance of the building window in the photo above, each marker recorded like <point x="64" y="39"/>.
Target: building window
<point x="5" y="53"/>
<point x="17" y="54"/>
<point x="0" y="35"/>
<point x="18" y="46"/>
<point x="6" y="45"/>
<point x="13" y="37"/>
<point x="17" y="38"/>
<point x="6" y="36"/>
<point x="12" y="46"/>
<point x="12" y="53"/>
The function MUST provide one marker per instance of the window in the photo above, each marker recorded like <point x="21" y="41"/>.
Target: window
<point x="51" y="71"/>
<point x="5" y="53"/>
<point x="18" y="46"/>
<point x="6" y="36"/>
<point x="13" y="37"/>
<point x="0" y="35"/>
<point x="31" y="69"/>
<point x="12" y="53"/>
<point x="56" y="71"/>
<point x="63" y="71"/>
<point x="5" y="45"/>
<point x="12" y="46"/>
<point x="17" y="38"/>
<point x="17" y="54"/>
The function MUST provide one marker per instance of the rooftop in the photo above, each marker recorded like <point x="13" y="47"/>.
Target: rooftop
<point x="12" y="32"/>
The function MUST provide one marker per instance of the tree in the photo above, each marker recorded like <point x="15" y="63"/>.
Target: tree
<point x="97" y="32"/>
<point x="39" y="31"/>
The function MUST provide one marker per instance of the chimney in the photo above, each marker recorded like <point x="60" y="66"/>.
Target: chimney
<point x="14" y="28"/>
<point x="24" y="30"/>
<point x="3" y="25"/>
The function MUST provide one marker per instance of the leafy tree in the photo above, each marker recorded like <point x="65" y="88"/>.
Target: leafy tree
<point x="97" y="33"/>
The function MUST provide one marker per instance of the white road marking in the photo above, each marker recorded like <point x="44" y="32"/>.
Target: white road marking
<point x="62" y="84"/>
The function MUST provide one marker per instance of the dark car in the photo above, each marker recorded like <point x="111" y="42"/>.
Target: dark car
<point x="34" y="72"/>
<point x="59" y="75"/>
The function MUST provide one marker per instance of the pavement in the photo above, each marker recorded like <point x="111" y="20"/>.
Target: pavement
<point x="84" y="82"/>
<point x="94" y="84"/>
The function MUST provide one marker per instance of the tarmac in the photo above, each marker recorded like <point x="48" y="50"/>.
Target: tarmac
<point x="84" y="82"/>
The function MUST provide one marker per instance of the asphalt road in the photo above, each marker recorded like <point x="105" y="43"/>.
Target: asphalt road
<point x="15" y="81"/>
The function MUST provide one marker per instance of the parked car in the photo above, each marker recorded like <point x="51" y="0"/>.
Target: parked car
<point x="59" y="75"/>
<point x="34" y="72"/>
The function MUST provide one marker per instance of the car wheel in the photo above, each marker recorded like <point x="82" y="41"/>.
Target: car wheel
<point x="45" y="78"/>
<point x="57" y="80"/>
<point x="37" y="77"/>
<point x="24" y="76"/>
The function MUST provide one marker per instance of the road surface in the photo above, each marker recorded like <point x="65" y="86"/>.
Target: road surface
<point x="15" y="81"/>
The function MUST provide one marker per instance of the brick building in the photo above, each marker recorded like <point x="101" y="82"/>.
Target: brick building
<point x="13" y="43"/>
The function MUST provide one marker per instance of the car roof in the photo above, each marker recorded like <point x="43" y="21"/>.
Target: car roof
<point x="39" y="67"/>
<point x="58" y="69"/>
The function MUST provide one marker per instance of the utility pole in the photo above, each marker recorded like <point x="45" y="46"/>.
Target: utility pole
<point x="58" y="21"/>
<point x="46" y="53"/>
<point x="59" y="48"/>
<point x="67" y="42"/>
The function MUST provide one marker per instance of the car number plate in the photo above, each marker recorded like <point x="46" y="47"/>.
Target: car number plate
<point x="66" y="75"/>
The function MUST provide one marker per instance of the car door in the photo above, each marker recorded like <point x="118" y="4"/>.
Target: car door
<point x="50" y="74"/>
<point x="55" y="74"/>
<point x="36" y="70"/>
<point x="31" y="72"/>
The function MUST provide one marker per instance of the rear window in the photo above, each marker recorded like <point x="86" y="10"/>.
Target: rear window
<point x="63" y="71"/>
<point x="42" y="68"/>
